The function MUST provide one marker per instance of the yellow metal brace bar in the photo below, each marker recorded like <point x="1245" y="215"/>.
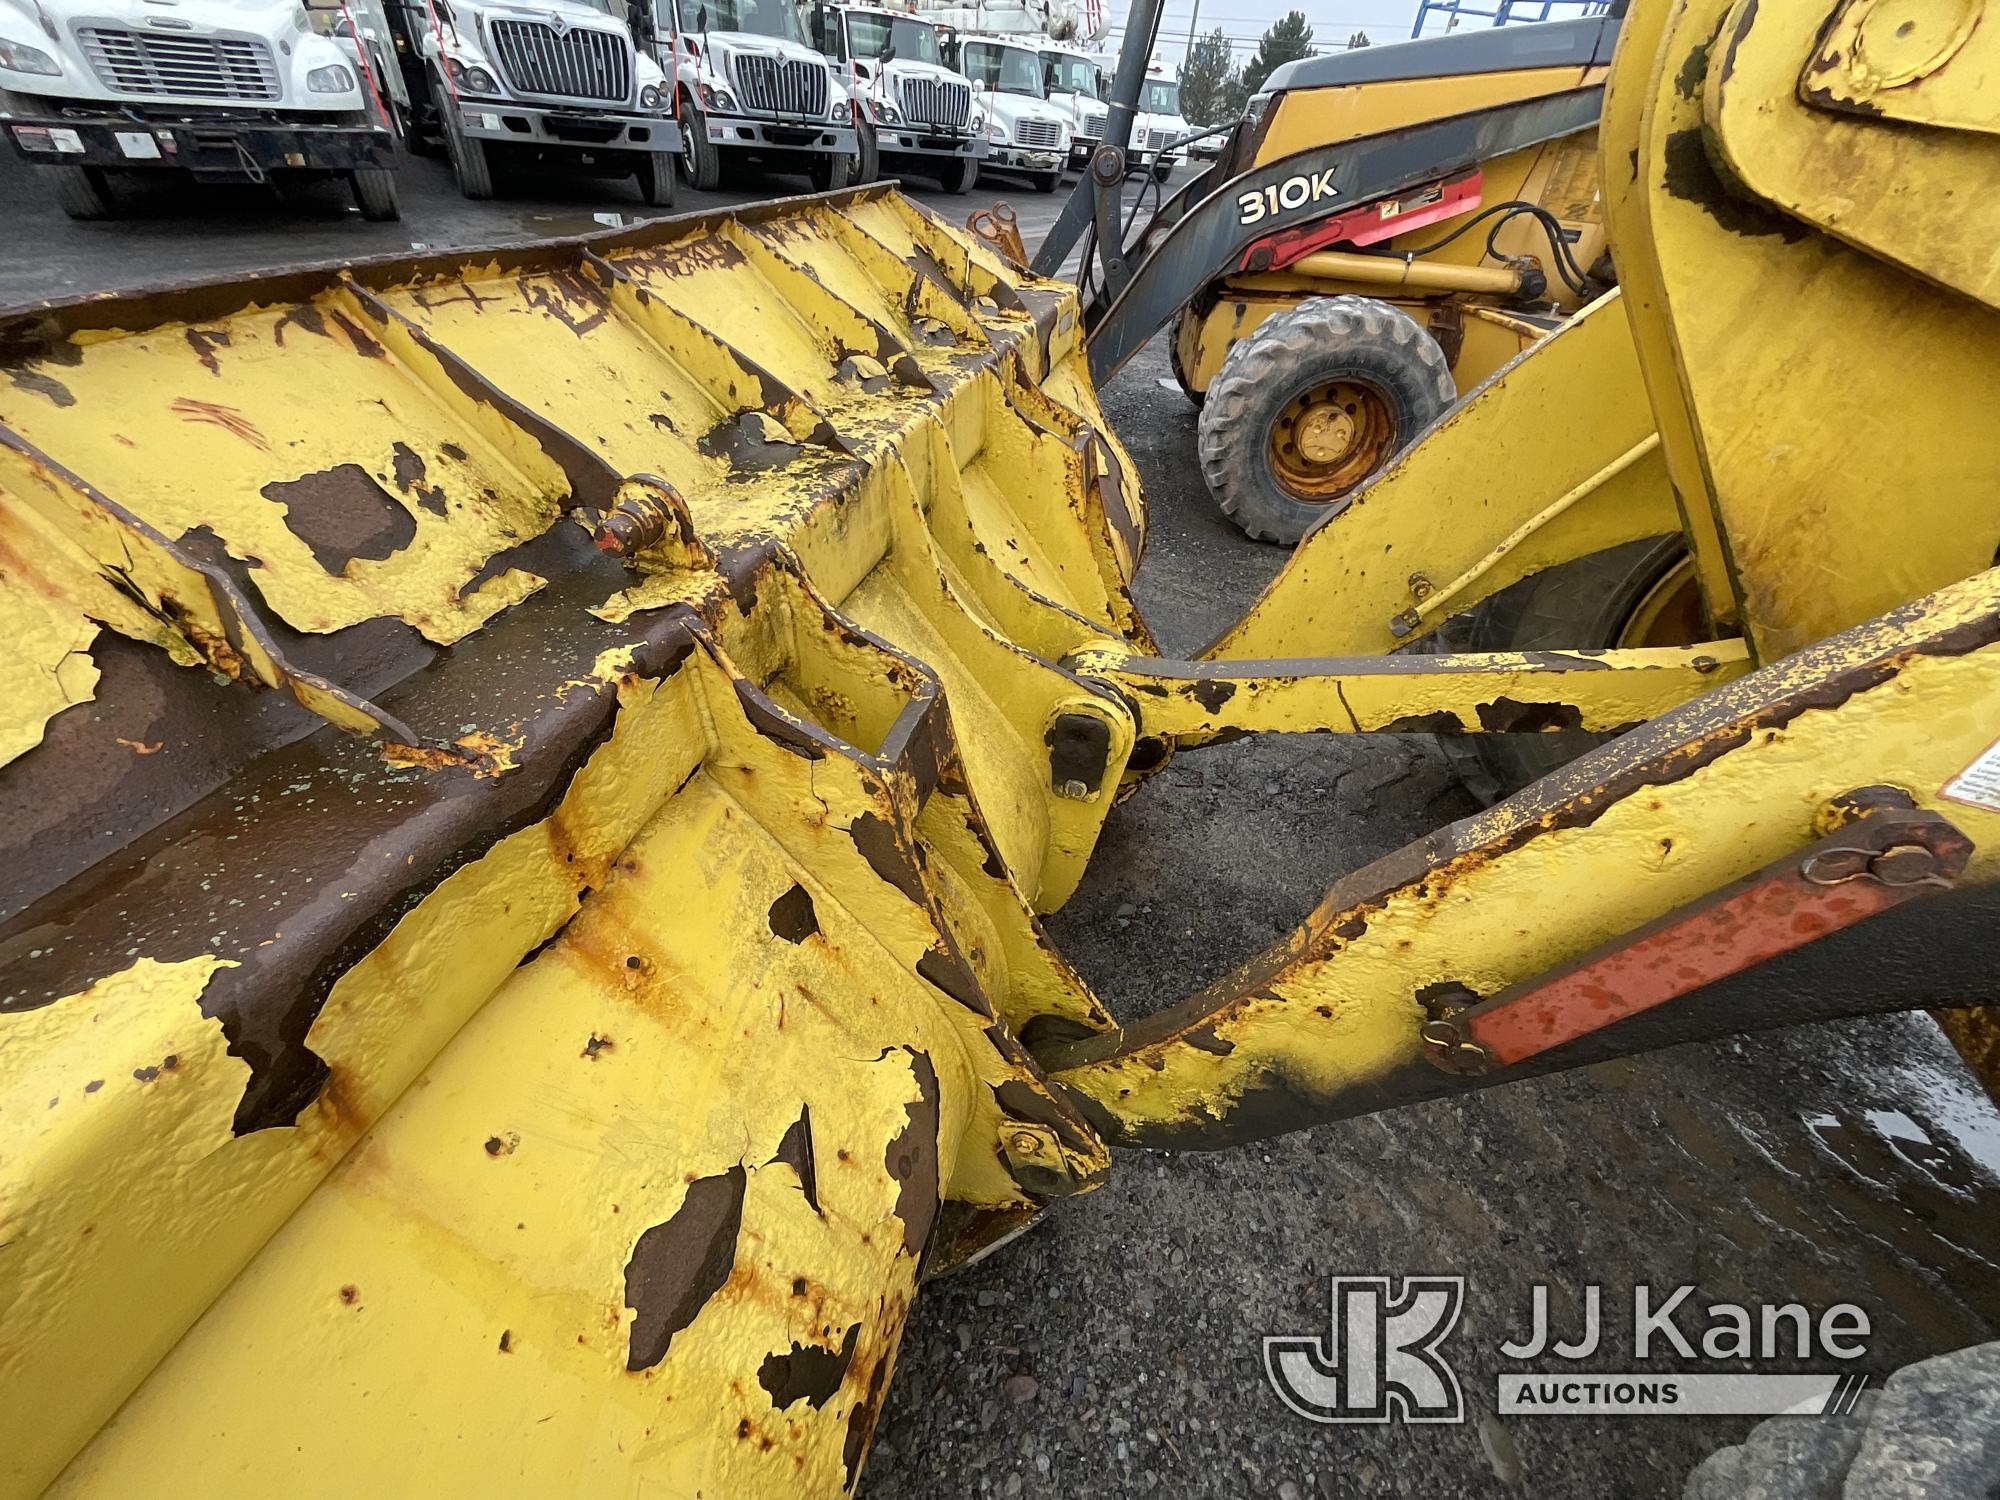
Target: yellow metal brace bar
<point x="1499" y="692"/>
<point x="1328" y="1021"/>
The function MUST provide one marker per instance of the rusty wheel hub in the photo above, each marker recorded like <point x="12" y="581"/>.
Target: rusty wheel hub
<point x="1330" y="437"/>
<point x="1670" y="613"/>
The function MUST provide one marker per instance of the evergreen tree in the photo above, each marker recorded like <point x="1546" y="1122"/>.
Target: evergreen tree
<point x="1204" y="76"/>
<point x="1288" y="39"/>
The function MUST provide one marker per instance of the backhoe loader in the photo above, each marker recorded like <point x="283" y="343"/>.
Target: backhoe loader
<point x="1327" y="304"/>
<point x="536" y="770"/>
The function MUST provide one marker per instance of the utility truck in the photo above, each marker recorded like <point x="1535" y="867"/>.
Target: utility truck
<point x="752" y="88"/>
<point x="1075" y="85"/>
<point x="1158" y="128"/>
<point x="1024" y="132"/>
<point x="96" y="91"/>
<point x="909" y="109"/>
<point x="560" y="81"/>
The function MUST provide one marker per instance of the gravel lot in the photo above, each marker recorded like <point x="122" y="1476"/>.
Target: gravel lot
<point x="1113" y="1351"/>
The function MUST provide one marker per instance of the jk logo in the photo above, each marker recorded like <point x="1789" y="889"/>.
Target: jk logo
<point x="1380" y="1363"/>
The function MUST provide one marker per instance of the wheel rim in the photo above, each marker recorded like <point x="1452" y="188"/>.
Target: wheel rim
<point x="687" y="143"/>
<point x="1328" y="438"/>
<point x="1669" y="613"/>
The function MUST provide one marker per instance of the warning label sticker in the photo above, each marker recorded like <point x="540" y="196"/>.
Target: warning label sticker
<point x="1978" y="785"/>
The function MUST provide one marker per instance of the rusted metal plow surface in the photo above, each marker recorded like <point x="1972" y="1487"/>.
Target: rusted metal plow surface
<point x="530" y="775"/>
<point x="592" y="954"/>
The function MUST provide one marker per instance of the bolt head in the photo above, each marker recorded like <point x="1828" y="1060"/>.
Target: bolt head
<point x="1903" y="864"/>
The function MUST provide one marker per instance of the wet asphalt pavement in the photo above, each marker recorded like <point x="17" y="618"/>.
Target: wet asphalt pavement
<point x="171" y="231"/>
<point x="1114" y="1350"/>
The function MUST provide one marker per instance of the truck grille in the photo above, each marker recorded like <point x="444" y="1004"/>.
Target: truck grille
<point x="578" y="63"/>
<point x="196" y="67"/>
<point x="1092" y="128"/>
<point x="926" y="101"/>
<point x="1044" y="135"/>
<point x="781" y="86"/>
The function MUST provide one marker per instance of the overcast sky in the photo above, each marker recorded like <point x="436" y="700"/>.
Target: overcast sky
<point x="1332" y="21"/>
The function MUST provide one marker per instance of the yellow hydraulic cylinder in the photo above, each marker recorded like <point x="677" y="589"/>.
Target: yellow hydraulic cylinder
<point x="1419" y="275"/>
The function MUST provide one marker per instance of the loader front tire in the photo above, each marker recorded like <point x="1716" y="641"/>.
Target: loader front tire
<point x="1311" y="405"/>
<point x="1198" y="397"/>
<point x="1640" y="594"/>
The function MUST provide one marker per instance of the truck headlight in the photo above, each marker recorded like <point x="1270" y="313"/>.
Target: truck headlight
<point x="996" y="130"/>
<point x="840" y="112"/>
<point x="649" y="98"/>
<point x="888" y="112"/>
<point x="712" y="98"/>
<point x="22" y="58"/>
<point x="332" y="79"/>
<point x="479" y="81"/>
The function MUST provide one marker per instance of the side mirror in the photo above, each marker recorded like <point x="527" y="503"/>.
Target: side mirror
<point x="701" y="19"/>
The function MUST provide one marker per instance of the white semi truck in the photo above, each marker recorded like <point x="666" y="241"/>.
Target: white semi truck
<point x="556" y="80"/>
<point x="1159" y="132"/>
<point x="1075" y="85"/>
<point x="910" y="110"/>
<point x="95" y="91"/>
<point x="1025" y="134"/>
<point x="752" y="87"/>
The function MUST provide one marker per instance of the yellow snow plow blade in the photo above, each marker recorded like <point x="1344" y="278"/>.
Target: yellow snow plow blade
<point x="637" y="911"/>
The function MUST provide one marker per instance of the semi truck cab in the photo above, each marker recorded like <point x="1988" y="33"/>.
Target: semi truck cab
<point x="752" y="86"/>
<point x="560" y="79"/>
<point x="910" y="110"/>
<point x="1074" y="84"/>
<point x="1158" y="128"/>
<point x="1024" y="132"/>
<point x="94" y="91"/>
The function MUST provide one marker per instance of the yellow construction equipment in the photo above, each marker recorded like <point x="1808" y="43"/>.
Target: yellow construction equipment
<point x="1386" y="228"/>
<point x="543" y="1045"/>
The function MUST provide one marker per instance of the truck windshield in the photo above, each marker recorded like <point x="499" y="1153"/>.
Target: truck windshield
<point x="776" y="18"/>
<point x="1070" y="75"/>
<point x="872" y="36"/>
<point x="1011" y="70"/>
<point x="1160" y="97"/>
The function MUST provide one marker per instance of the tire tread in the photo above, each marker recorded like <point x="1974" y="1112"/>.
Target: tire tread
<point x="1282" y="345"/>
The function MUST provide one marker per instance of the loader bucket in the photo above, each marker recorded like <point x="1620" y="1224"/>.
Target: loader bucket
<point x="602" y="953"/>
